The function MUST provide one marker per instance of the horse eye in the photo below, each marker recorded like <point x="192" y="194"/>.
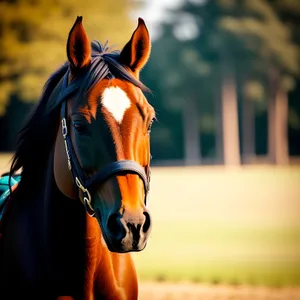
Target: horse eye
<point x="79" y="127"/>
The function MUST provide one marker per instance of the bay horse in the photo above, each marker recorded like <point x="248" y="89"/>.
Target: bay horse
<point x="84" y="155"/>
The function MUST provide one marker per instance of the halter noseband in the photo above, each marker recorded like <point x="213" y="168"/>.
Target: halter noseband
<point x="85" y="183"/>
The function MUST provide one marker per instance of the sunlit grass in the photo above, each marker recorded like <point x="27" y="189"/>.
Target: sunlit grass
<point x="221" y="254"/>
<point x="224" y="225"/>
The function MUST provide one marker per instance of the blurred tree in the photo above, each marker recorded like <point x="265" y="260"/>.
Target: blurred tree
<point x="181" y="77"/>
<point x="289" y="13"/>
<point x="166" y="133"/>
<point x="177" y="68"/>
<point x="233" y="40"/>
<point x="276" y="55"/>
<point x="33" y="36"/>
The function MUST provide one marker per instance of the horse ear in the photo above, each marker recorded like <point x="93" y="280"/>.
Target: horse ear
<point x="78" y="46"/>
<point x="136" y="52"/>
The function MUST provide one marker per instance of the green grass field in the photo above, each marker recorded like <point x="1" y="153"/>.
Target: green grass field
<point x="223" y="225"/>
<point x="220" y="225"/>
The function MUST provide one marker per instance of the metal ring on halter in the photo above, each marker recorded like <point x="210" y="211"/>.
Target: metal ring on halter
<point x="64" y="127"/>
<point x="86" y="200"/>
<point x="88" y="206"/>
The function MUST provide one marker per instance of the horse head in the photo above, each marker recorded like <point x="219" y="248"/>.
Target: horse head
<point x="102" y="150"/>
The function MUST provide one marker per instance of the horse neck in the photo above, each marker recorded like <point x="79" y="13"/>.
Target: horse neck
<point x="45" y="198"/>
<point x="65" y="246"/>
<point x="75" y="235"/>
<point x="77" y="238"/>
<point x="61" y="224"/>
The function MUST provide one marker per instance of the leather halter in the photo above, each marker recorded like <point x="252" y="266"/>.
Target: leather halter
<point x="84" y="182"/>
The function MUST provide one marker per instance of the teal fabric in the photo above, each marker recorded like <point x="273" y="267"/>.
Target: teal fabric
<point x="4" y="190"/>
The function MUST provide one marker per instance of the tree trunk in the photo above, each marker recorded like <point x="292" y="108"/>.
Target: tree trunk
<point x="230" y="120"/>
<point x="272" y="117"/>
<point x="281" y="117"/>
<point x="219" y="128"/>
<point x="191" y="133"/>
<point x="277" y="120"/>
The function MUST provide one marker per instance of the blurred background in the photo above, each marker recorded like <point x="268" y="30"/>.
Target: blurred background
<point x="225" y="76"/>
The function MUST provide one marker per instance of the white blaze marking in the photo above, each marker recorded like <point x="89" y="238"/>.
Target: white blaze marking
<point x="116" y="102"/>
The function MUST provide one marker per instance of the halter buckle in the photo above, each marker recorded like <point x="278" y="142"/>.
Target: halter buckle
<point x="87" y="199"/>
<point x="64" y="127"/>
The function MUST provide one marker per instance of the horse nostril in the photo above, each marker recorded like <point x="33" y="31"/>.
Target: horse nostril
<point x="115" y="226"/>
<point x="147" y="222"/>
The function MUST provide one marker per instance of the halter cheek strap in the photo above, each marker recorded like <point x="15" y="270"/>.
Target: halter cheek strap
<point x="85" y="183"/>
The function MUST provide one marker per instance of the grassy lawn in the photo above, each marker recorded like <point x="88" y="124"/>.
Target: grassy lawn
<point x="212" y="224"/>
<point x="223" y="225"/>
<point x="267" y="256"/>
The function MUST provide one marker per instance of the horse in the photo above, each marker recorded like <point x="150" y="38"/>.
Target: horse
<point x="80" y="206"/>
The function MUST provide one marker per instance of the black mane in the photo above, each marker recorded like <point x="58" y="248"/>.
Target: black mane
<point x="36" y="138"/>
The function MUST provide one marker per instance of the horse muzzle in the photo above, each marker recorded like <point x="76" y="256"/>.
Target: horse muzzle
<point x="126" y="232"/>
